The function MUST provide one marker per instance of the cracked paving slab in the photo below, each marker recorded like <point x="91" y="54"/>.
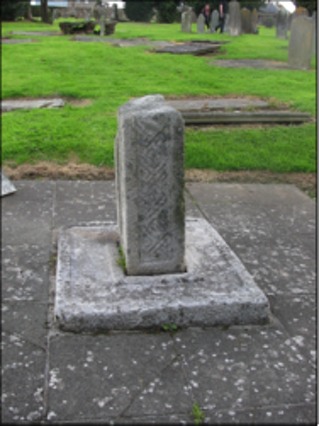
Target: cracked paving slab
<point x="110" y="374"/>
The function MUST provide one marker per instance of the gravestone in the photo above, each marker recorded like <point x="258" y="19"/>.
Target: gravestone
<point x="149" y="164"/>
<point x="282" y="18"/>
<point x="301" y="43"/>
<point x="94" y="292"/>
<point x="234" y="18"/>
<point x="186" y="21"/>
<point x="214" y="20"/>
<point x="246" y="21"/>
<point x="226" y="26"/>
<point x="7" y="186"/>
<point x="200" y="24"/>
<point x="254" y="22"/>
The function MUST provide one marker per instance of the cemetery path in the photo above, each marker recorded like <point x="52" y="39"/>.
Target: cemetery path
<point x="47" y="170"/>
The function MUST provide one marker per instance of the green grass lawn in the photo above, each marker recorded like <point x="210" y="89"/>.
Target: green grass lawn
<point x="109" y="76"/>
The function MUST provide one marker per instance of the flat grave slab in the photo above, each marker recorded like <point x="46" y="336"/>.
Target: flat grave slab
<point x="249" y="63"/>
<point x="93" y="293"/>
<point x="123" y="42"/>
<point x="36" y="33"/>
<point x="13" y="104"/>
<point x="193" y="48"/>
<point x="16" y="40"/>
<point x="210" y="104"/>
<point x="217" y="111"/>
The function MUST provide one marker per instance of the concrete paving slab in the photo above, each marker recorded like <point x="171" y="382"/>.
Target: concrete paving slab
<point x="288" y="414"/>
<point x="25" y="276"/>
<point x="261" y="374"/>
<point x="28" y="320"/>
<point x="95" y="202"/>
<point x="27" y="217"/>
<point x="22" y="380"/>
<point x="108" y="374"/>
<point x="244" y="368"/>
<point x="297" y="314"/>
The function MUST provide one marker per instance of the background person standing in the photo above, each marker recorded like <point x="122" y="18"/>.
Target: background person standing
<point x="222" y="9"/>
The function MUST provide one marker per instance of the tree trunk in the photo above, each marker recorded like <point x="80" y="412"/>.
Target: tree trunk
<point x="45" y="14"/>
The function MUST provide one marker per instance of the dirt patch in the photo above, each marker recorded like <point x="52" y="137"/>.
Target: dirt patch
<point x="73" y="171"/>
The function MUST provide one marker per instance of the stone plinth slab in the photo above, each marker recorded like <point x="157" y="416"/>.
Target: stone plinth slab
<point x="93" y="293"/>
<point x="150" y="183"/>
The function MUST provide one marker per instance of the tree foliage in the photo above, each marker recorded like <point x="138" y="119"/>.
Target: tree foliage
<point x="139" y="11"/>
<point x="310" y="5"/>
<point x="166" y="11"/>
<point x="12" y="9"/>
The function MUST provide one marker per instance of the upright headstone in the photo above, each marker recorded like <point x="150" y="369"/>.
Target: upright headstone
<point x="200" y="23"/>
<point x="254" y="21"/>
<point x="301" y="43"/>
<point x="186" y="21"/>
<point x="7" y="186"/>
<point x="149" y="180"/>
<point x="193" y="16"/>
<point x="282" y="23"/>
<point x="234" y="18"/>
<point x="226" y="26"/>
<point x="214" y="19"/>
<point x="245" y="21"/>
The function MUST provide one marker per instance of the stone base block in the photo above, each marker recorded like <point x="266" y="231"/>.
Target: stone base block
<point x="93" y="293"/>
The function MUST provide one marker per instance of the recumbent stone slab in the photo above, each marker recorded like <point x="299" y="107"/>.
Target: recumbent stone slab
<point x="150" y="183"/>
<point x="93" y="293"/>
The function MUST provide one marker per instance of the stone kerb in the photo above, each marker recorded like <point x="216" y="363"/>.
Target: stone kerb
<point x="301" y="43"/>
<point x="150" y="181"/>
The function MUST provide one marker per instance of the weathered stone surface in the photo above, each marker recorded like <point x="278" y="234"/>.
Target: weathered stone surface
<point x="7" y="186"/>
<point x="282" y="24"/>
<point x="214" y="19"/>
<point x="226" y="26"/>
<point x="210" y="104"/>
<point x="301" y="43"/>
<point x="92" y="291"/>
<point x="191" y="48"/>
<point x="234" y="18"/>
<point x="12" y="104"/>
<point x="254" y="22"/>
<point x="201" y="23"/>
<point x="246" y="21"/>
<point x="150" y="181"/>
<point x="186" y="21"/>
